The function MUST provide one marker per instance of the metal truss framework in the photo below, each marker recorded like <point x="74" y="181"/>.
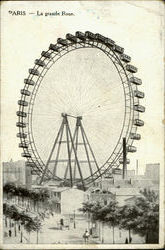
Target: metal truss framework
<point x="73" y="163"/>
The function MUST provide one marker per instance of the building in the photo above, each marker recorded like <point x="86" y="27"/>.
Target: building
<point x="123" y="194"/>
<point x="108" y="183"/>
<point x="71" y="200"/>
<point x="28" y="177"/>
<point x="98" y="195"/>
<point x="130" y="173"/>
<point x="141" y="182"/>
<point x="14" y="172"/>
<point x="17" y="172"/>
<point x="68" y="200"/>
<point x="118" y="193"/>
<point x="152" y="172"/>
<point x="125" y="190"/>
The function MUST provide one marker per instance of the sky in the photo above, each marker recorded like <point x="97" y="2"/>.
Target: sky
<point x="137" y="26"/>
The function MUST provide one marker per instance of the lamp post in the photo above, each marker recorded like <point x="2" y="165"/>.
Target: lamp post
<point x="74" y="216"/>
<point x="88" y="220"/>
<point x="21" y="237"/>
<point x="37" y="236"/>
<point x="102" y="240"/>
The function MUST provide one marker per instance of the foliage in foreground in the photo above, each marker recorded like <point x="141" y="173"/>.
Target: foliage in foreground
<point x="141" y="216"/>
<point x="30" y="223"/>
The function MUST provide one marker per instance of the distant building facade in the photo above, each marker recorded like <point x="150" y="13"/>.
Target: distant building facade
<point x="14" y="172"/>
<point x="120" y="194"/>
<point x="28" y="177"/>
<point x="126" y="190"/>
<point x="130" y="173"/>
<point x="17" y="172"/>
<point x="152" y="171"/>
<point x="68" y="200"/>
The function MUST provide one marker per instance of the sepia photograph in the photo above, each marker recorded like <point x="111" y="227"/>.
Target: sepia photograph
<point x="82" y="125"/>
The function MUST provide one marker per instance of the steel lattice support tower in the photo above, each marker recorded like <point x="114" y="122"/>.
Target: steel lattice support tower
<point x="72" y="143"/>
<point x="124" y="158"/>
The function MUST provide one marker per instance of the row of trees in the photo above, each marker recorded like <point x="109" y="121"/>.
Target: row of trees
<point x="21" y="220"/>
<point x="31" y="199"/>
<point x="26" y="209"/>
<point x="141" y="216"/>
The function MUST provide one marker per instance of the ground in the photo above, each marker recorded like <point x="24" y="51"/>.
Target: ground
<point x="52" y="234"/>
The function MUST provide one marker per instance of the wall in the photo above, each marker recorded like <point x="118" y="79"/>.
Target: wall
<point x="14" y="172"/>
<point x="71" y="199"/>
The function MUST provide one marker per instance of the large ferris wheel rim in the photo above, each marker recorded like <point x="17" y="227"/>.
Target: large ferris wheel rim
<point x="36" y="67"/>
<point x="79" y="48"/>
<point x="75" y="48"/>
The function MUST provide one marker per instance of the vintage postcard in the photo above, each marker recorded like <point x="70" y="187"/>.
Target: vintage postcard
<point x="82" y="125"/>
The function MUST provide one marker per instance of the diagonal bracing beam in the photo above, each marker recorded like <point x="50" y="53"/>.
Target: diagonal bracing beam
<point x="51" y="153"/>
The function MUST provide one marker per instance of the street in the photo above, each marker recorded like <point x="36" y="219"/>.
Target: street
<point x="53" y="233"/>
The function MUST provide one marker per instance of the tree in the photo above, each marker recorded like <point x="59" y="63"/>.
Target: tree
<point x="12" y="212"/>
<point x="24" y="219"/>
<point x="142" y="216"/>
<point x="148" y="224"/>
<point x="128" y="219"/>
<point x="23" y="194"/>
<point x="15" y="216"/>
<point x="33" y="224"/>
<point x="9" y="189"/>
<point x="44" y="194"/>
<point x="50" y="205"/>
<point x="87" y="207"/>
<point x="106" y="214"/>
<point x="20" y="194"/>
<point x="38" y="226"/>
<point x="44" y="197"/>
<point x="110" y="214"/>
<point x="4" y="213"/>
<point x="29" y="223"/>
<point x="27" y="194"/>
<point x="8" y="212"/>
<point x="35" y="196"/>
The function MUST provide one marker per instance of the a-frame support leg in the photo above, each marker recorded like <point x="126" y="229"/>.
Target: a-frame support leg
<point x="91" y="149"/>
<point x="86" y="150"/>
<point x="76" y="158"/>
<point x="58" y="151"/>
<point x="69" y="151"/>
<point x="51" y="153"/>
<point x="76" y="146"/>
<point x="66" y="171"/>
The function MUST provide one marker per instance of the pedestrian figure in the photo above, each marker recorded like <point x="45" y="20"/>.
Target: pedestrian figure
<point x="126" y="241"/>
<point x="9" y="233"/>
<point x="86" y="236"/>
<point x="61" y="223"/>
<point x="130" y="239"/>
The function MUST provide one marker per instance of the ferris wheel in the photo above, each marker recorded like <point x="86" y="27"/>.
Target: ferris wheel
<point x="78" y="104"/>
